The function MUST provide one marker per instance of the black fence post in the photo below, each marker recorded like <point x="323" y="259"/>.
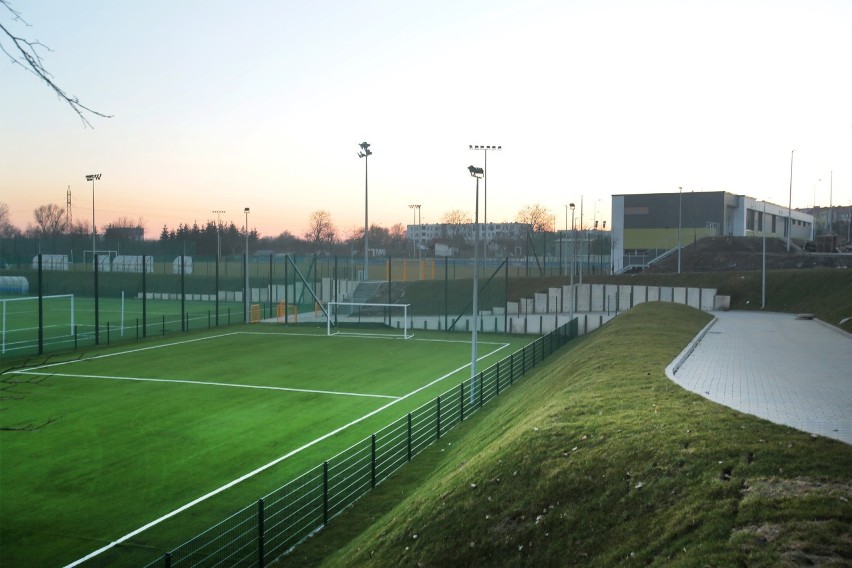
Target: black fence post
<point x="438" y="414"/>
<point x="497" y="380"/>
<point x="75" y="335"/>
<point x="461" y="401"/>
<point x="511" y="369"/>
<point x="97" y="320"/>
<point x="324" y="493"/>
<point x="260" y="533"/>
<point x="40" y="307"/>
<point x="216" y="286"/>
<point x="164" y="325"/>
<point x="409" y="436"/>
<point x="167" y="560"/>
<point x="480" y="389"/>
<point x="144" y="297"/>
<point x="183" y="287"/>
<point x="373" y="461"/>
<point x="107" y="330"/>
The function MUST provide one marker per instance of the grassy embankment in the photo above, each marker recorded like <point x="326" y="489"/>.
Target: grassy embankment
<point x="599" y="459"/>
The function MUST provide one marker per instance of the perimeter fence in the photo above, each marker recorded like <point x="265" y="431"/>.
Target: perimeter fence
<point x="127" y="298"/>
<point x="264" y="531"/>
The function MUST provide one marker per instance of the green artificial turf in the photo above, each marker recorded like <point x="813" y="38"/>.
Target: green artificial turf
<point x="88" y="455"/>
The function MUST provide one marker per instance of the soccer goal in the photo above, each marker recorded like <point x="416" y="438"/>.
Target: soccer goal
<point x="19" y="320"/>
<point x="287" y="311"/>
<point x="353" y="318"/>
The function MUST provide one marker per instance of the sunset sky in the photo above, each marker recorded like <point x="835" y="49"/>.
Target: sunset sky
<point x="262" y="104"/>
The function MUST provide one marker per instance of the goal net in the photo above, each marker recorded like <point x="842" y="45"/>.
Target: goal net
<point x="352" y="318"/>
<point x="19" y="322"/>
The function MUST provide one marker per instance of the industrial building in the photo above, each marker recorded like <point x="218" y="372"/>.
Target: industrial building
<point x="647" y="226"/>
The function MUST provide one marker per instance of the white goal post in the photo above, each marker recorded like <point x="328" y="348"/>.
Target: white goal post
<point x="355" y="318"/>
<point x="16" y="311"/>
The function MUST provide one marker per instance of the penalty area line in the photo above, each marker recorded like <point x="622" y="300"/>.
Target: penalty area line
<point x="204" y="383"/>
<point x="263" y="468"/>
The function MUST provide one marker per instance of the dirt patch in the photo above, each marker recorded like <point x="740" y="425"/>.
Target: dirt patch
<point x="796" y="488"/>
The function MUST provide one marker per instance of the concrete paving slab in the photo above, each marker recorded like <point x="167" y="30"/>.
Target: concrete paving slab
<point x="796" y="372"/>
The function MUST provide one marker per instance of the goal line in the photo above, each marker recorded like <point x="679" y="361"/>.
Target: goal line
<point x="368" y="319"/>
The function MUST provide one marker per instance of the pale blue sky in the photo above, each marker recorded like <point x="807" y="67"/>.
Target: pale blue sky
<point x="223" y="105"/>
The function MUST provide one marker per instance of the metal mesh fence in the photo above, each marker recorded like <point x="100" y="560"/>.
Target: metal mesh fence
<point x="121" y="298"/>
<point x="264" y="531"/>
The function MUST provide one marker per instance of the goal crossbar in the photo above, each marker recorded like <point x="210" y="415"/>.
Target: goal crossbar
<point x="397" y="320"/>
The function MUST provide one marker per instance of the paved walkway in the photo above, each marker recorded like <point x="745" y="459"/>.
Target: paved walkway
<point x="788" y="371"/>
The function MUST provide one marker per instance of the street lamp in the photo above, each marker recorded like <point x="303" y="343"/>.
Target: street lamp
<point x="364" y="153"/>
<point x="485" y="149"/>
<point x="415" y="213"/>
<point x="573" y="252"/>
<point x="477" y="173"/>
<point x="218" y="236"/>
<point x="763" y="262"/>
<point x="247" y="270"/>
<point x="790" y="204"/>
<point x="92" y="178"/>
<point x="679" y="217"/>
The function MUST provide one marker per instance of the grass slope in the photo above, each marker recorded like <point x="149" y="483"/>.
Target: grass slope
<point x="598" y="459"/>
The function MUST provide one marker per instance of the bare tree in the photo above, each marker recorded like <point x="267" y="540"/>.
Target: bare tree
<point x="79" y="227"/>
<point x="456" y="217"/>
<point x="458" y="226"/>
<point x="25" y="53"/>
<point x="321" y="231"/>
<point x="7" y="229"/>
<point x="125" y="229"/>
<point x="538" y="217"/>
<point x="50" y="220"/>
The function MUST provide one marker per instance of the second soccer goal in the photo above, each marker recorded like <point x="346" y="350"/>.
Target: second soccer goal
<point x="352" y="318"/>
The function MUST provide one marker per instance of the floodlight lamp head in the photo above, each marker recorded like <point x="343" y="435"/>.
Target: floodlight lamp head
<point x="364" y="145"/>
<point x="476" y="172"/>
<point x="93" y="177"/>
<point x="247" y="210"/>
<point x="571" y="206"/>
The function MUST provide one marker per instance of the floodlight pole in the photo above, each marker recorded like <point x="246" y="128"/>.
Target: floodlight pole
<point x="485" y="149"/>
<point x="92" y="178"/>
<point x="365" y="153"/>
<point x="248" y="316"/>
<point x="477" y="173"/>
<point x="790" y="204"/>
<point x="831" y="204"/>
<point x="218" y="236"/>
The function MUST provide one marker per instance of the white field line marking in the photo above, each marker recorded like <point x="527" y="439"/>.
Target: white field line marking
<point x="375" y="336"/>
<point x="207" y="383"/>
<point x="104" y="356"/>
<point x="267" y="466"/>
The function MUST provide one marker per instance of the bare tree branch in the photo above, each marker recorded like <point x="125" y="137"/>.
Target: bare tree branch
<point x="25" y="53"/>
